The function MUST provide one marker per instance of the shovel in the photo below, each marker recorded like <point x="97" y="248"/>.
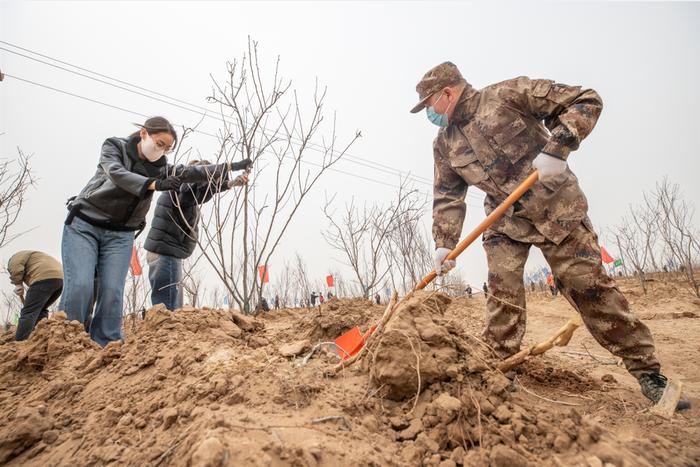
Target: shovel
<point x="350" y="343"/>
<point x="461" y="246"/>
<point x="485" y="224"/>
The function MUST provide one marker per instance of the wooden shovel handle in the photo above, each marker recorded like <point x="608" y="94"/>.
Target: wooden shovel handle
<point x="485" y="224"/>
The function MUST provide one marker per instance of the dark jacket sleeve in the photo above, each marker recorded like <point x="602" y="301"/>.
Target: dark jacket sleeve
<point x="198" y="173"/>
<point x="200" y="193"/>
<point x="569" y="112"/>
<point x="112" y="164"/>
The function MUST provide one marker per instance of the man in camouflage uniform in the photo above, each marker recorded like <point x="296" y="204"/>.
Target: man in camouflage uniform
<point x="493" y="138"/>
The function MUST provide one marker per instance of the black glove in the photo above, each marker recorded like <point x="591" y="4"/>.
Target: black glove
<point x="170" y="183"/>
<point x="242" y="165"/>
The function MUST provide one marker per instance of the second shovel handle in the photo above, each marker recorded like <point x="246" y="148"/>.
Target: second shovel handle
<point x="485" y="224"/>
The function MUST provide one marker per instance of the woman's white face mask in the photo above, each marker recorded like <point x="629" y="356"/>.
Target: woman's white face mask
<point x="149" y="149"/>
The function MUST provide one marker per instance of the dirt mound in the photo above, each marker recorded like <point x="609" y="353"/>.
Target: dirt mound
<point x="664" y="297"/>
<point x="416" y="349"/>
<point x="68" y="391"/>
<point x="465" y="411"/>
<point x="211" y="387"/>
<point x="335" y="317"/>
<point x="56" y="340"/>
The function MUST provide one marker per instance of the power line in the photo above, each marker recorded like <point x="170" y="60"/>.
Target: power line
<point x="96" y="101"/>
<point x="347" y="156"/>
<point x="350" y="157"/>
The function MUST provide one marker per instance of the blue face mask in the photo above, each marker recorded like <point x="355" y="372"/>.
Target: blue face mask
<point x="434" y="117"/>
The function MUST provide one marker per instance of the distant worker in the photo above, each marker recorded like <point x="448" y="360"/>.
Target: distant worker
<point x="262" y="305"/>
<point x="552" y="285"/>
<point x="44" y="276"/>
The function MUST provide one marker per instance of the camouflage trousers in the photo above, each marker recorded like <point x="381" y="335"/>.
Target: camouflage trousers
<point x="576" y="265"/>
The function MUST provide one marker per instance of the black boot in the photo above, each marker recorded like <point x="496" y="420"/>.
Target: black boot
<point x="653" y="385"/>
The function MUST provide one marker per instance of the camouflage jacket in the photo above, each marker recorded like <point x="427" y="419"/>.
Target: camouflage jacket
<point x="494" y="136"/>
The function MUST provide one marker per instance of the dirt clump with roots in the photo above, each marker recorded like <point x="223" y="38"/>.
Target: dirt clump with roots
<point x="203" y="387"/>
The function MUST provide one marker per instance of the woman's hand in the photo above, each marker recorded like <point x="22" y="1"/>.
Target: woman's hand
<point x="167" y="184"/>
<point x="238" y="181"/>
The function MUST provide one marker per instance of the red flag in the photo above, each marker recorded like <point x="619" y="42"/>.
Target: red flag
<point x="135" y="263"/>
<point x="264" y="273"/>
<point x="329" y="280"/>
<point x="607" y="259"/>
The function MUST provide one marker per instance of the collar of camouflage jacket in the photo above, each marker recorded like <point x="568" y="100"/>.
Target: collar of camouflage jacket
<point x="466" y="106"/>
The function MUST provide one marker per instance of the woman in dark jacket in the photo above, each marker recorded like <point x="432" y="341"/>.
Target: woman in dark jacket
<point x="173" y="235"/>
<point x="99" y="233"/>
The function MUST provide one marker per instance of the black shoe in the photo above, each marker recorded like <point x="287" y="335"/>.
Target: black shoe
<point x="653" y="385"/>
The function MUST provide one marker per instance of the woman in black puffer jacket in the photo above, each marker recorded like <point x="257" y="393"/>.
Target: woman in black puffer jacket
<point x="174" y="232"/>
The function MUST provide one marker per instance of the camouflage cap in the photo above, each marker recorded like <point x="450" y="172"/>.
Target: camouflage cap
<point x="437" y="78"/>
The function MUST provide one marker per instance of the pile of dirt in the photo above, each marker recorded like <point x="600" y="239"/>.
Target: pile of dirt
<point x="335" y="317"/>
<point x="664" y="298"/>
<point x="211" y="387"/>
<point x="417" y="348"/>
<point x="51" y="346"/>
<point x="64" y="393"/>
<point x="462" y="409"/>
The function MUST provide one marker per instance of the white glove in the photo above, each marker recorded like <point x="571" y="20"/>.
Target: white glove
<point x="19" y="290"/>
<point x="548" y="166"/>
<point x="440" y="267"/>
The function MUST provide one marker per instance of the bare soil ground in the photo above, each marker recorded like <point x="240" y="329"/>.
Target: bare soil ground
<point x="209" y="388"/>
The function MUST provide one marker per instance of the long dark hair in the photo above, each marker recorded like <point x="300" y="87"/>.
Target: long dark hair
<point x="155" y="125"/>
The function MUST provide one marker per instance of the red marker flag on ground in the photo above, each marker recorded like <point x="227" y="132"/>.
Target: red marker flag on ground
<point x="135" y="263"/>
<point x="329" y="281"/>
<point x="263" y="272"/>
<point x="607" y="259"/>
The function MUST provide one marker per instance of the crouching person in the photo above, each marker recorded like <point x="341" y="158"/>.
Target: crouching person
<point x="103" y="219"/>
<point x="44" y="276"/>
<point x="173" y="234"/>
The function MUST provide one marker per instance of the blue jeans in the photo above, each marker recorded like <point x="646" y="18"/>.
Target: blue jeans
<point x="165" y="275"/>
<point x="88" y="251"/>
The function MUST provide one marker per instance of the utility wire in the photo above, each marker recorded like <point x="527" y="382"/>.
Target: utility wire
<point x="350" y="157"/>
<point x="96" y="101"/>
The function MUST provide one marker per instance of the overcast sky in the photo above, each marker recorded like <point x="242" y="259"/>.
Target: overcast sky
<point x="642" y="58"/>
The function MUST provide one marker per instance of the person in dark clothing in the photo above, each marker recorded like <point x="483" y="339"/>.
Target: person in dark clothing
<point x="485" y="288"/>
<point x="44" y="276"/>
<point x="263" y="305"/>
<point x="314" y="296"/>
<point x="173" y="233"/>
<point x="377" y="298"/>
<point x="277" y="302"/>
<point x="103" y="219"/>
<point x="469" y="291"/>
